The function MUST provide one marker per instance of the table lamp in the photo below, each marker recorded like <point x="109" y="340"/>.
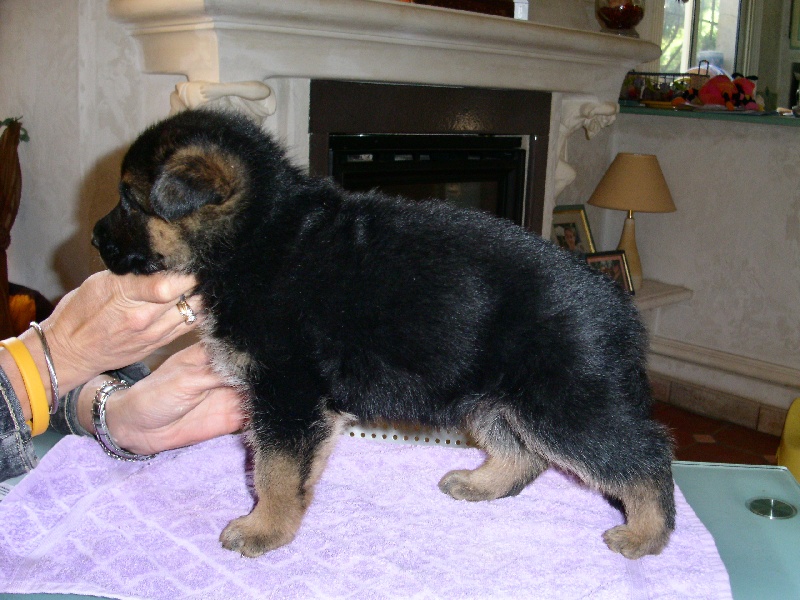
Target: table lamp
<point x="635" y="183"/>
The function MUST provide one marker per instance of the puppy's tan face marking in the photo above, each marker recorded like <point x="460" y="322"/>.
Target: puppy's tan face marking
<point x="200" y="180"/>
<point x="185" y="207"/>
<point x="167" y="241"/>
<point x="137" y="185"/>
<point x="208" y="168"/>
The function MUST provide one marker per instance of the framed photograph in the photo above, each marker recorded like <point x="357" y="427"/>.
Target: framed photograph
<point x="571" y="229"/>
<point x="794" y="27"/>
<point x="615" y="265"/>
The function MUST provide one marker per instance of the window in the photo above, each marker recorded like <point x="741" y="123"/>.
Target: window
<point x="698" y="30"/>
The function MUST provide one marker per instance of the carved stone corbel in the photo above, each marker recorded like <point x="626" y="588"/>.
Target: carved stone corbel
<point x="576" y="112"/>
<point x="254" y="98"/>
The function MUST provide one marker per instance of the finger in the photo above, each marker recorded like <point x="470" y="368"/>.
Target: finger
<point x="219" y="413"/>
<point x="192" y="357"/>
<point x="183" y="317"/>
<point x="159" y="288"/>
<point x="180" y="316"/>
<point x="227" y="405"/>
<point x="190" y="371"/>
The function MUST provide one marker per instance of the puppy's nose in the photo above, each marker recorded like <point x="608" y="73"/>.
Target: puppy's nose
<point x="99" y="235"/>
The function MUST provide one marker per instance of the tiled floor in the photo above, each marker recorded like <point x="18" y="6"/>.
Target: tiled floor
<point x="700" y="438"/>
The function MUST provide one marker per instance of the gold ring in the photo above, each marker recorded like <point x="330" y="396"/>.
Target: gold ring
<point x="186" y="311"/>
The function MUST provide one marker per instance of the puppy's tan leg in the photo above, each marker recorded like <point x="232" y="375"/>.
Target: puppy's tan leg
<point x="285" y="486"/>
<point x="648" y="525"/>
<point x="511" y="463"/>
<point x="276" y="517"/>
<point x="497" y="477"/>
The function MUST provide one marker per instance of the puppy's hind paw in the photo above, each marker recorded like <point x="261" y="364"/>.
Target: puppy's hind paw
<point x="251" y="538"/>
<point x="461" y="486"/>
<point x="632" y="544"/>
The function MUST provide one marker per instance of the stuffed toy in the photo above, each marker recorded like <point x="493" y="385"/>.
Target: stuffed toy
<point x="26" y="305"/>
<point x="732" y="93"/>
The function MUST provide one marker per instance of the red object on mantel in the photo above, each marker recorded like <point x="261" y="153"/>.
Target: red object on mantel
<point x="620" y="14"/>
<point x="500" y="8"/>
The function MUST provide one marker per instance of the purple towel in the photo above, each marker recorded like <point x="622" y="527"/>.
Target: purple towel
<point x="378" y="528"/>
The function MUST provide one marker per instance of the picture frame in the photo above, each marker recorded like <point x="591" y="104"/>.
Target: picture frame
<point x="794" y="26"/>
<point x="615" y="265"/>
<point x="571" y="229"/>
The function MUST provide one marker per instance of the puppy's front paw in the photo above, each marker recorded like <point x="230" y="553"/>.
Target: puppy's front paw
<point x="252" y="537"/>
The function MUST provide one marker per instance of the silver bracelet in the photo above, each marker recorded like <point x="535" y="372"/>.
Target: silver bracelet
<point x="101" y="429"/>
<point x="48" y="359"/>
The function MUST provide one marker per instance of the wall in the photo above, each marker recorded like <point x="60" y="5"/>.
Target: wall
<point x="74" y="76"/>
<point x="575" y="14"/>
<point x="734" y="240"/>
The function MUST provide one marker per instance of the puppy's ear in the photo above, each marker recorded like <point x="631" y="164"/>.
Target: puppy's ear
<point x="194" y="177"/>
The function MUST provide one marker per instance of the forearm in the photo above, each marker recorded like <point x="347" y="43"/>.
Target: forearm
<point x="74" y="418"/>
<point x="65" y="379"/>
<point x="16" y="448"/>
<point x="17" y="454"/>
<point x="17" y="419"/>
<point x="185" y="402"/>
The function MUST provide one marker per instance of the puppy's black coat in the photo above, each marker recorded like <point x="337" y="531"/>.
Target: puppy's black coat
<point x="326" y="306"/>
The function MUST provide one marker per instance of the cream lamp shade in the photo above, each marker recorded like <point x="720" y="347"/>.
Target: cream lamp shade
<point x="635" y="183"/>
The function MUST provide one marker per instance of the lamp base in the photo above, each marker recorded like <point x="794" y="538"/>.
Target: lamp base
<point x="627" y="242"/>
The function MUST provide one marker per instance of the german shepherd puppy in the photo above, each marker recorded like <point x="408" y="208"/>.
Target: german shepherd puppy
<point x="326" y="306"/>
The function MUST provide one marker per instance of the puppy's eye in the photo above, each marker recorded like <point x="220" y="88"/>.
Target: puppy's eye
<point x="130" y="202"/>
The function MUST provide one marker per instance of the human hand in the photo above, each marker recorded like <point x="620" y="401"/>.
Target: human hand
<point x="182" y="402"/>
<point x="111" y="321"/>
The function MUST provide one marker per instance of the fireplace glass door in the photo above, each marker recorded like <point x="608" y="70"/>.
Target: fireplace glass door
<point x="483" y="172"/>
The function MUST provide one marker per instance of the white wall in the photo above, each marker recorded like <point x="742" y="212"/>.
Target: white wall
<point x="75" y="78"/>
<point x="734" y="240"/>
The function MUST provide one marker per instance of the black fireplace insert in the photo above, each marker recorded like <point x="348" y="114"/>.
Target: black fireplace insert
<point x="484" y="172"/>
<point x="482" y="148"/>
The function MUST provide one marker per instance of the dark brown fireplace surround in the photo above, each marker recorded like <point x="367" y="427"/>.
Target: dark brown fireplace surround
<point x="345" y="107"/>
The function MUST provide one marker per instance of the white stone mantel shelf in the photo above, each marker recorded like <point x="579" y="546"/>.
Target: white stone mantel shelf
<point x="374" y="40"/>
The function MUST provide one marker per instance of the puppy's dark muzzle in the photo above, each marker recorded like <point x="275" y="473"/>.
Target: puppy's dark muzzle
<point x="124" y="248"/>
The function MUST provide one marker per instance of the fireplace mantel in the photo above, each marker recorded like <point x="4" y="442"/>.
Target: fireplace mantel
<point x="374" y="40"/>
<point x="238" y="52"/>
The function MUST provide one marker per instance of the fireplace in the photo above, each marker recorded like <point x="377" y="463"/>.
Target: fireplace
<point x="480" y="148"/>
<point x="483" y="172"/>
<point x="515" y="77"/>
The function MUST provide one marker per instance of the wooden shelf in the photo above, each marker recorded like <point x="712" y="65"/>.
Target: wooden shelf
<point x="765" y="119"/>
<point x="654" y="294"/>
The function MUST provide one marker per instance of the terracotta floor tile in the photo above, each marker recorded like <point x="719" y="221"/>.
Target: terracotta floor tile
<point x="700" y="438"/>
<point x="720" y="454"/>
<point x="682" y="437"/>
<point x="683" y="420"/>
<point x="742" y="437"/>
